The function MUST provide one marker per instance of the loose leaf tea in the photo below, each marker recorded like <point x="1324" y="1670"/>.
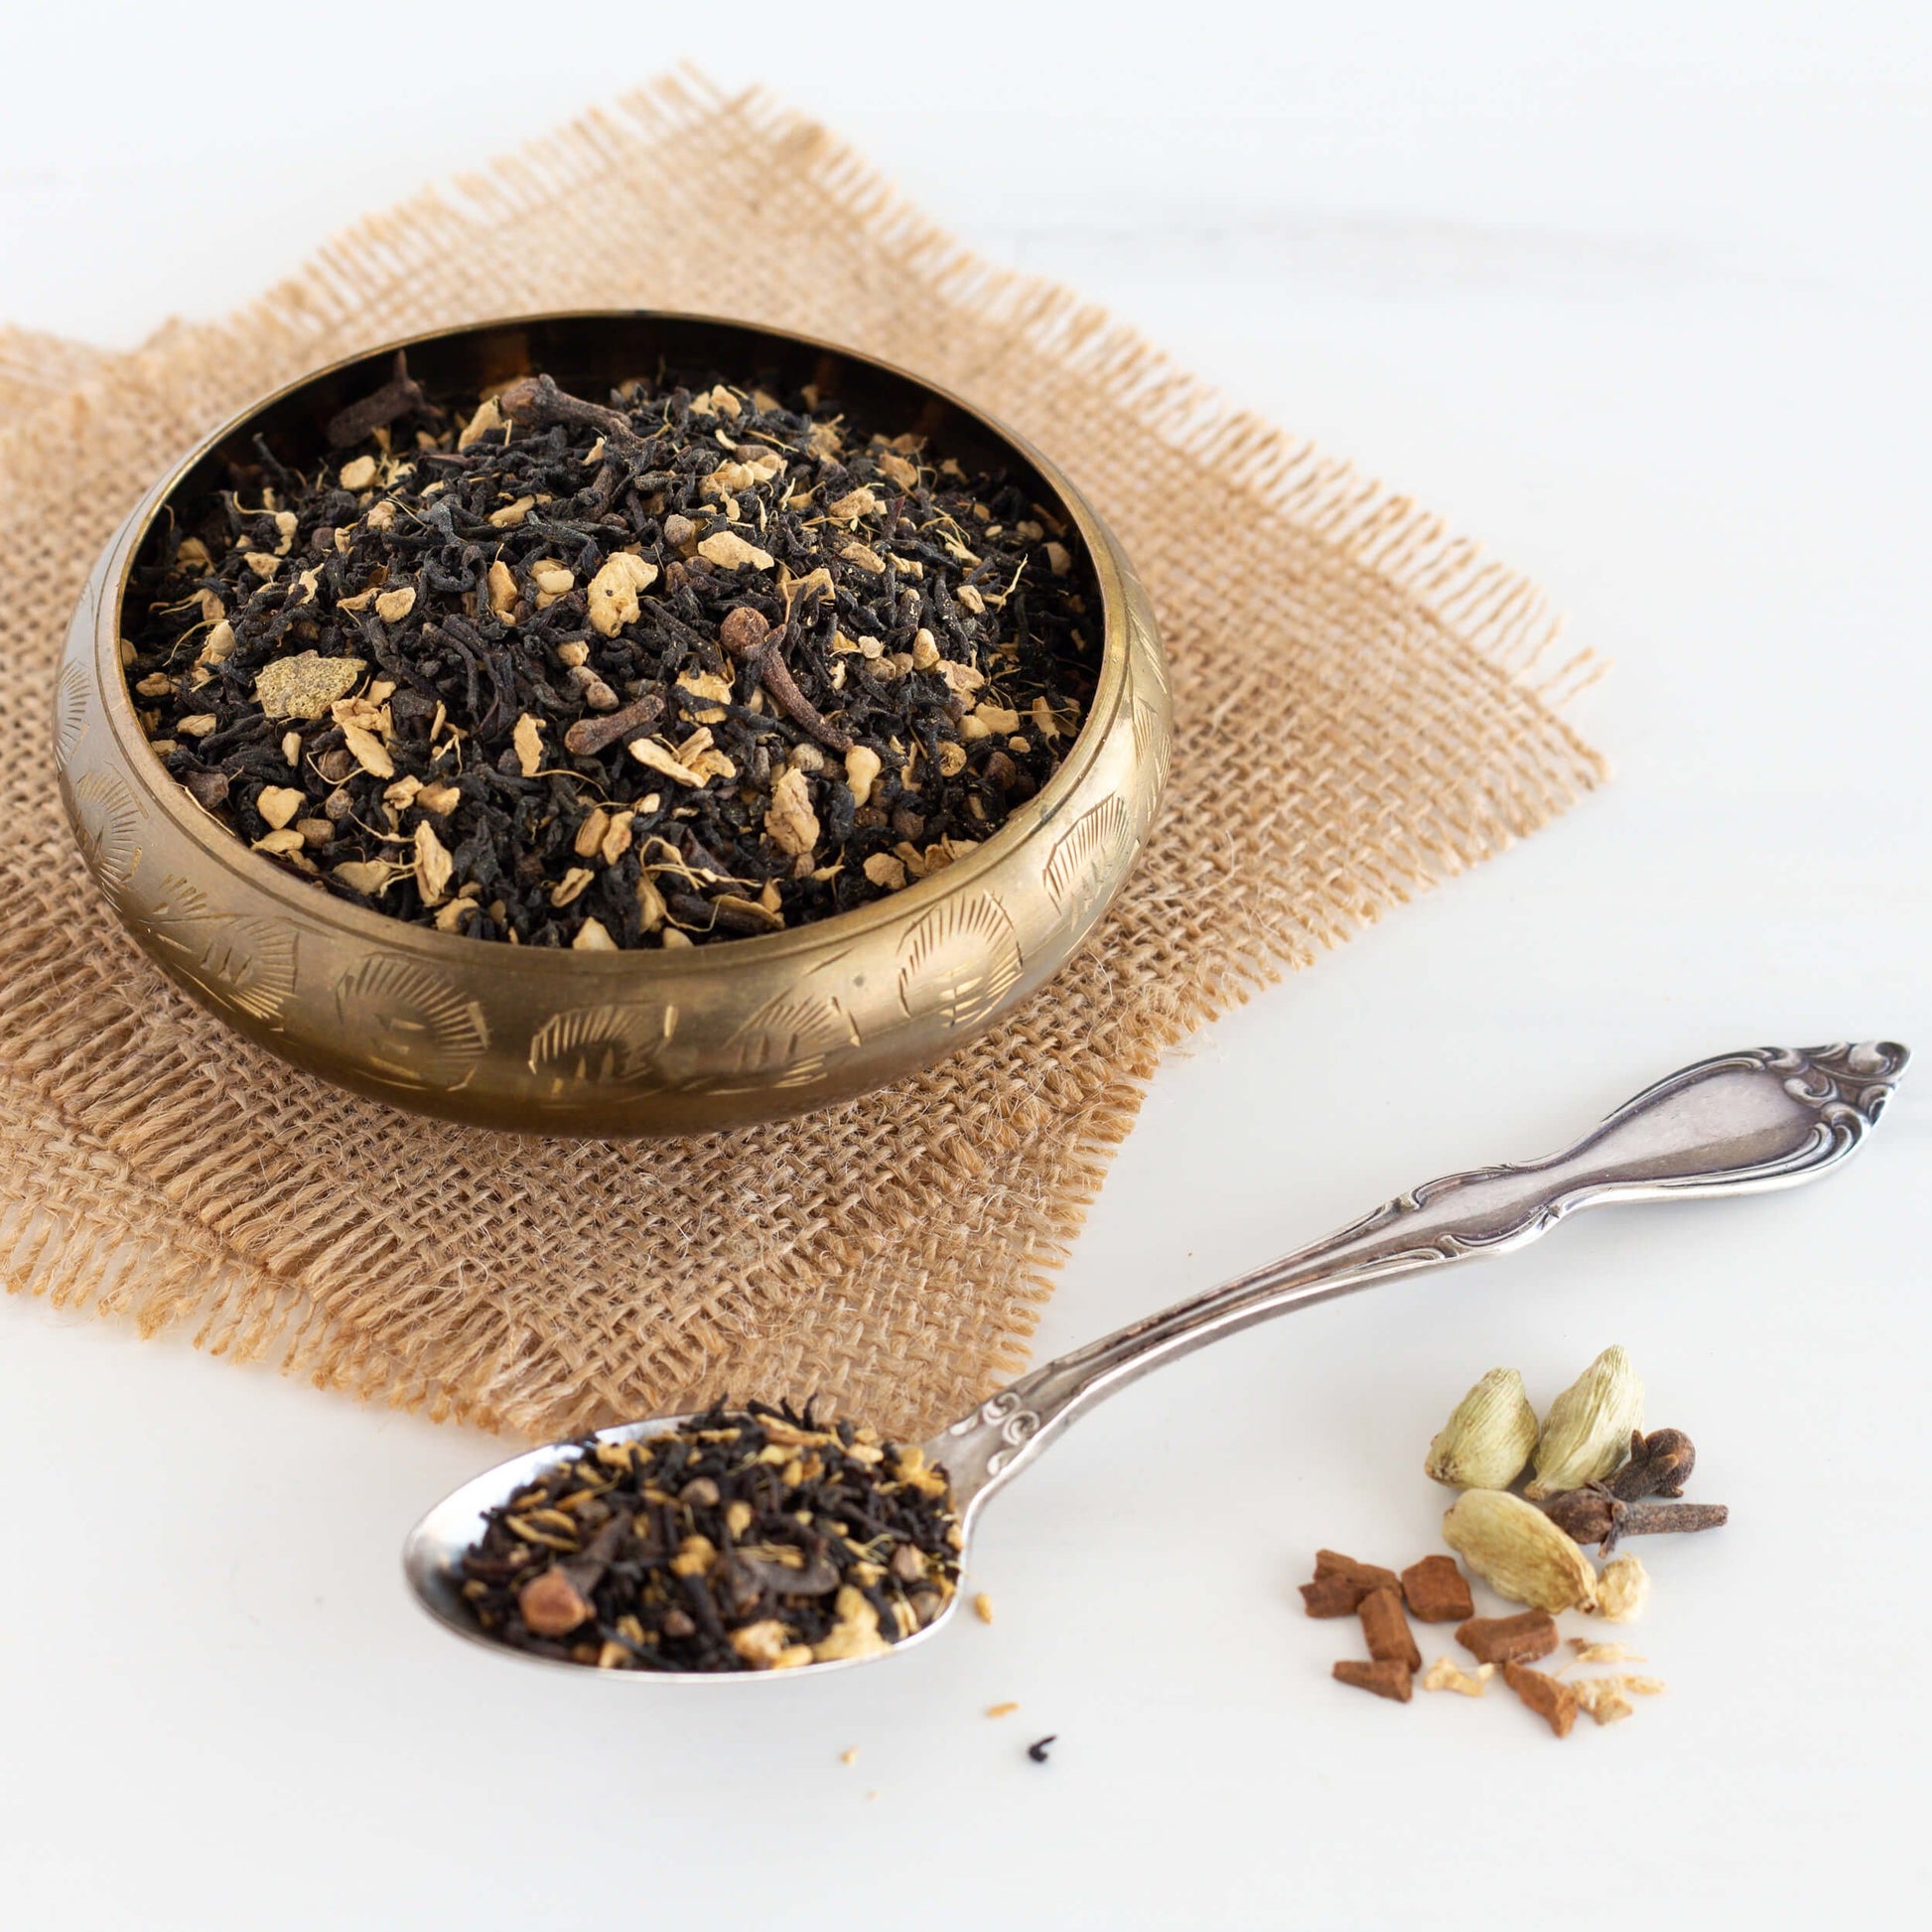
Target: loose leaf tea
<point x="745" y="1539"/>
<point x="696" y="662"/>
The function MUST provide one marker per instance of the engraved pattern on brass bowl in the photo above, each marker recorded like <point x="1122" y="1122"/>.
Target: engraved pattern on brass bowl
<point x="641" y="1042"/>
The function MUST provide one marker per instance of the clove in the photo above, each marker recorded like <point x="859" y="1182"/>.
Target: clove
<point x="401" y="394"/>
<point x="1660" y="1464"/>
<point x="591" y="734"/>
<point x="1596" y="1515"/>
<point x="537" y="402"/>
<point x="749" y="637"/>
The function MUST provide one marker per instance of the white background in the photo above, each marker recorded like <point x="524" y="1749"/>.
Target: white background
<point x="1638" y="299"/>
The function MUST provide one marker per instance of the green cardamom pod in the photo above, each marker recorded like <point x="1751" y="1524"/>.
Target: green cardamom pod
<point x="1587" y="1434"/>
<point x="1519" y="1553"/>
<point x="1488" y="1437"/>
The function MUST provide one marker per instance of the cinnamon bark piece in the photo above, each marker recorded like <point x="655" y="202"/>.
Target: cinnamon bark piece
<point x="1340" y="1583"/>
<point x="1509" y="1639"/>
<point x="1387" y="1631"/>
<point x="1550" y="1699"/>
<point x="1387" y="1677"/>
<point x="1436" y="1591"/>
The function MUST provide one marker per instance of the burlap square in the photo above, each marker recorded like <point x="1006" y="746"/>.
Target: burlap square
<point x="1356" y="686"/>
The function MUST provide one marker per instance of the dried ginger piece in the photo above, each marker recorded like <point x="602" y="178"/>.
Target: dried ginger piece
<point x="790" y="821"/>
<point x="1602" y="1698"/>
<point x="1446" y="1675"/>
<point x="1622" y="1590"/>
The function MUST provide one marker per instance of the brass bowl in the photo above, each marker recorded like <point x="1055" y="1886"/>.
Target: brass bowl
<point x="644" y="1042"/>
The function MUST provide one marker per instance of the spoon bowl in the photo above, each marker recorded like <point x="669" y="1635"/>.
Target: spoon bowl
<point x="433" y="1552"/>
<point x="1766" y="1118"/>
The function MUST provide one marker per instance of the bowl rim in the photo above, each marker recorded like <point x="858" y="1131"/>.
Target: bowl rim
<point x="301" y="901"/>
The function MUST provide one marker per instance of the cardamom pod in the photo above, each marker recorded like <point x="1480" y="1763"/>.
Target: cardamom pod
<point x="1488" y="1437"/>
<point x="1519" y="1553"/>
<point x="1587" y="1434"/>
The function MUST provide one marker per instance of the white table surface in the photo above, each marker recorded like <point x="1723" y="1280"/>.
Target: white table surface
<point x="1639" y="302"/>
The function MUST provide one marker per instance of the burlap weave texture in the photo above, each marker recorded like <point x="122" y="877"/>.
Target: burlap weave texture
<point x="1361" y="689"/>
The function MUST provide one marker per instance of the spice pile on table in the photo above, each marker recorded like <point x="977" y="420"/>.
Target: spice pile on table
<point x="1587" y="1473"/>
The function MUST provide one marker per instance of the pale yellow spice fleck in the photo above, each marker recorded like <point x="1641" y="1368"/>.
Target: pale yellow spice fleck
<point x="704" y="686"/>
<point x="612" y="599"/>
<point x="590" y="834"/>
<point x="1445" y="1674"/>
<point x="862" y="769"/>
<point x="367" y="751"/>
<point x="433" y="864"/>
<point x="648" y="752"/>
<point x="527" y="737"/>
<point x="983" y="1607"/>
<point x="728" y="551"/>
<point x="370" y="875"/>
<point x="278" y="804"/>
<point x="854" y="504"/>
<point x="487" y="418"/>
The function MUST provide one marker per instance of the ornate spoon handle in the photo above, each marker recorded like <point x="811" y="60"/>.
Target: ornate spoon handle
<point x="1770" y="1117"/>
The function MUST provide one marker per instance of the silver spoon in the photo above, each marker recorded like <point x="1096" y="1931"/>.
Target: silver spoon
<point x="1770" y="1117"/>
